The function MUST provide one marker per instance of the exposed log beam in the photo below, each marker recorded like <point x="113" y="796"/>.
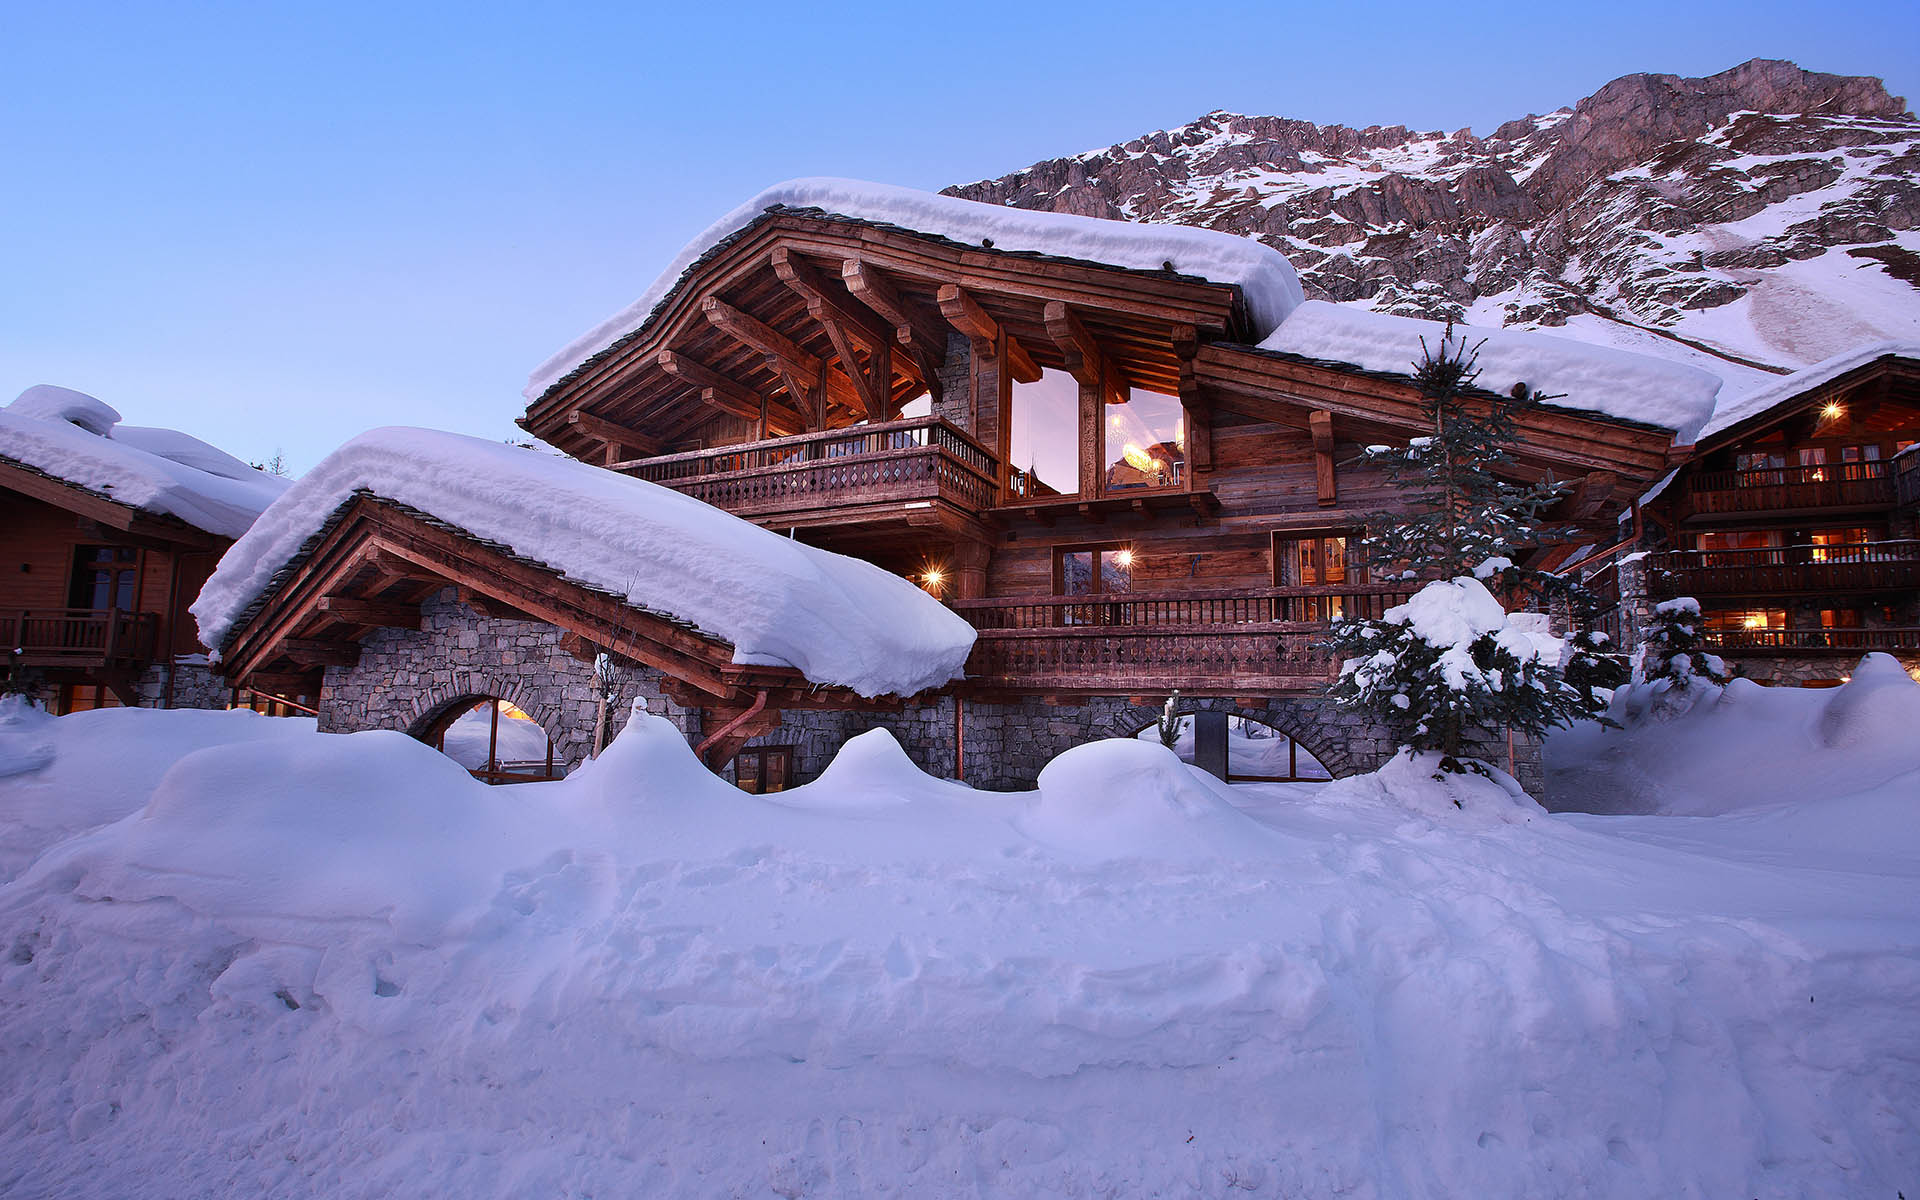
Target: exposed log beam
<point x="923" y="334"/>
<point x="1199" y="408"/>
<point x="370" y="612"/>
<point x="1591" y="495"/>
<point x="1320" y="422"/>
<point x="798" y="367"/>
<point x="621" y="442"/>
<point x="282" y="683"/>
<point x="964" y="313"/>
<point x="873" y="379"/>
<point x="716" y="390"/>
<point x="1086" y="361"/>
<point x="320" y="652"/>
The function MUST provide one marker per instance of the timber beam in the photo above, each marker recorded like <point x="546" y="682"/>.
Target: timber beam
<point x="873" y="379"/>
<point x="319" y="652"/>
<point x="719" y="392"/>
<point x="983" y="332"/>
<point x="921" y="333"/>
<point x="620" y="442"/>
<point x="1320" y="423"/>
<point x="800" y="368"/>
<point x="352" y="611"/>
<point x="1085" y="360"/>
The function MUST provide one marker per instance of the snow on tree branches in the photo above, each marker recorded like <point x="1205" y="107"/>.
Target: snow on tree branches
<point x="1671" y="653"/>
<point x="1452" y="660"/>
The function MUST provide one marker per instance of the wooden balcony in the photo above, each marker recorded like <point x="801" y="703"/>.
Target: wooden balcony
<point x="833" y="476"/>
<point x="1856" y="567"/>
<point x="1906" y="479"/>
<point x="84" y="638"/>
<point x="1251" y="641"/>
<point x="1853" y="486"/>
<point x="1735" y="642"/>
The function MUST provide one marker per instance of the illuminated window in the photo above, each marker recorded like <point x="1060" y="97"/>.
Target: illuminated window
<point x="496" y="741"/>
<point x="1094" y="571"/>
<point x="1043" y="436"/>
<point x="1313" y="560"/>
<point x="1146" y="440"/>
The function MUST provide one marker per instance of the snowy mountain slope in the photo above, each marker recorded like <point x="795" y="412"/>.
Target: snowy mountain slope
<point x="1764" y="217"/>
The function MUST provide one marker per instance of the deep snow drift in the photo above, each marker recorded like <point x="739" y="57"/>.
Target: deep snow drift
<point x="305" y="964"/>
<point x="837" y="619"/>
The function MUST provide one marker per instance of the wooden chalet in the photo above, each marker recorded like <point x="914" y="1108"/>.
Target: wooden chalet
<point x="1793" y="522"/>
<point x="1089" y="463"/>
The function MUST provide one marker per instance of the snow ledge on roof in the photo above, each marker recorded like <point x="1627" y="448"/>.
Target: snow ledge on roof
<point x="79" y="440"/>
<point x="1263" y="274"/>
<point x="1792" y="386"/>
<point x="836" y="619"/>
<point x="1596" y="379"/>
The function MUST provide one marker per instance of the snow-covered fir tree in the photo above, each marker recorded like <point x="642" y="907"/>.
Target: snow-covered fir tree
<point x="1671" y="651"/>
<point x="1452" y="659"/>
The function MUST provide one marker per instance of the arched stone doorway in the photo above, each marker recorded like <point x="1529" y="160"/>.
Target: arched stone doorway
<point x="493" y="738"/>
<point x="1255" y="750"/>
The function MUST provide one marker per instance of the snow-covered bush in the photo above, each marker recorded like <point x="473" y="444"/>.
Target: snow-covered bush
<point x="1671" y="652"/>
<point x="1452" y="660"/>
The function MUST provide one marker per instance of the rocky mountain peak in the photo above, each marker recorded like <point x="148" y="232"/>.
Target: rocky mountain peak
<point x="1755" y="219"/>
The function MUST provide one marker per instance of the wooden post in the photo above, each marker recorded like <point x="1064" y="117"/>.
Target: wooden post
<point x="493" y="737"/>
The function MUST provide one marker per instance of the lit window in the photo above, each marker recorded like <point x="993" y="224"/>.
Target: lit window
<point x="1146" y="442"/>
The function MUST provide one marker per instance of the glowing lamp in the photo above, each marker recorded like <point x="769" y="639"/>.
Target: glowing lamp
<point x="1137" y="458"/>
<point x="934" y="578"/>
<point x="1124" y="558"/>
<point x="1833" y="409"/>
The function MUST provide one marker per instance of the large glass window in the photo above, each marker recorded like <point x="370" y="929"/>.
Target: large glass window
<point x="1256" y="751"/>
<point x="1094" y="571"/>
<point x="104" y="577"/>
<point x="1313" y="560"/>
<point x="1043" y="437"/>
<point x="1146" y="442"/>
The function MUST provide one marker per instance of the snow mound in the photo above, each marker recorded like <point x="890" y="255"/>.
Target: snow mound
<point x="1263" y="274"/>
<point x="1414" y="782"/>
<point x="870" y="770"/>
<point x="1733" y="410"/>
<point x="24" y="744"/>
<point x="49" y="402"/>
<point x="75" y="438"/>
<point x="1126" y="798"/>
<point x="838" y="620"/>
<point x="1706" y="750"/>
<point x="305" y="964"/>
<point x="1612" y="383"/>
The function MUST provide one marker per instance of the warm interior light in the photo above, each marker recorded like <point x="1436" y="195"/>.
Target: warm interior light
<point x="1832" y="410"/>
<point x="1756" y="621"/>
<point x="934" y="577"/>
<point x="1137" y="458"/>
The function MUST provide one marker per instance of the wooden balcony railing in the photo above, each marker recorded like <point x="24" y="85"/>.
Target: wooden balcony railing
<point x="1810" y="641"/>
<point x="1787" y="489"/>
<point x="1267" y="639"/>
<point x="80" y="637"/>
<point x="1848" y="567"/>
<point x="901" y="461"/>
<point x="1906" y="479"/>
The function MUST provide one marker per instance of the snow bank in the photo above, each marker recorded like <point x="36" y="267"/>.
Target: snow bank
<point x="76" y="438"/>
<point x="837" y="619"/>
<point x="1613" y="383"/>
<point x="1712" y="750"/>
<point x="1264" y="275"/>
<point x="335" y="965"/>
<point x="1733" y="410"/>
<point x="1414" y="782"/>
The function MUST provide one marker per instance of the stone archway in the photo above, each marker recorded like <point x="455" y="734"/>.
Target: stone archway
<point x="436" y="705"/>
<point x="1331" y="736"/>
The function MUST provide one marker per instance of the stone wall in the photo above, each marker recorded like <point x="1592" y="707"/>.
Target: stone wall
<point x="195" y="685"/>
<point x="408" y="679"/>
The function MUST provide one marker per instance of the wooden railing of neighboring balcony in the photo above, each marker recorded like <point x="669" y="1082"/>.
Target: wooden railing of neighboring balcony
<point x="1851" y="566"/>
<point x="1906" y="476"/>
<point x="899" y="461"/>
<point x="1790" y="641"/>
<point x="1266" y="639"/>
<point x="1786" y="489"/>
<point x="77" y="636"/>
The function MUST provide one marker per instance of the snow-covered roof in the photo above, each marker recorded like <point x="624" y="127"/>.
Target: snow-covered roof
<point x="1597" y="379"/>
<point x="838" y="620"/>
<point x="79" y="440"/>
<point x="1791" y="387"/>
<point x="1265" y="277"/>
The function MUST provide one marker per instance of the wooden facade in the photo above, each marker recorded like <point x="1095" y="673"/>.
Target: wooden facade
<point x="94" y="593"/>
<point x="1795" y="527"/>
<point x="865" y="388"/>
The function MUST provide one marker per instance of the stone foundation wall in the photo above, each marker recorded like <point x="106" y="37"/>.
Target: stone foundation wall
<point x="194" y="686"/>
<point x="407" y="679"/>
<point x="1794" y="670"/>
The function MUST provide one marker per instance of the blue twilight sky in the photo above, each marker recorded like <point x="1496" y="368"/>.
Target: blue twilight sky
<point x="276" y="225"/>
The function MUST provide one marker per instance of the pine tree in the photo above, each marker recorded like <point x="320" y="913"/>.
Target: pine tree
<point x="1671" y="652"/>
<point x="1452" y="660"/>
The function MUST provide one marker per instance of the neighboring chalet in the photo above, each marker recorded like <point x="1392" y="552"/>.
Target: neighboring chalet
<point x="1095" y="441"/>
<point x="107" y="532"/>
<point x="1793" y="523"/>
